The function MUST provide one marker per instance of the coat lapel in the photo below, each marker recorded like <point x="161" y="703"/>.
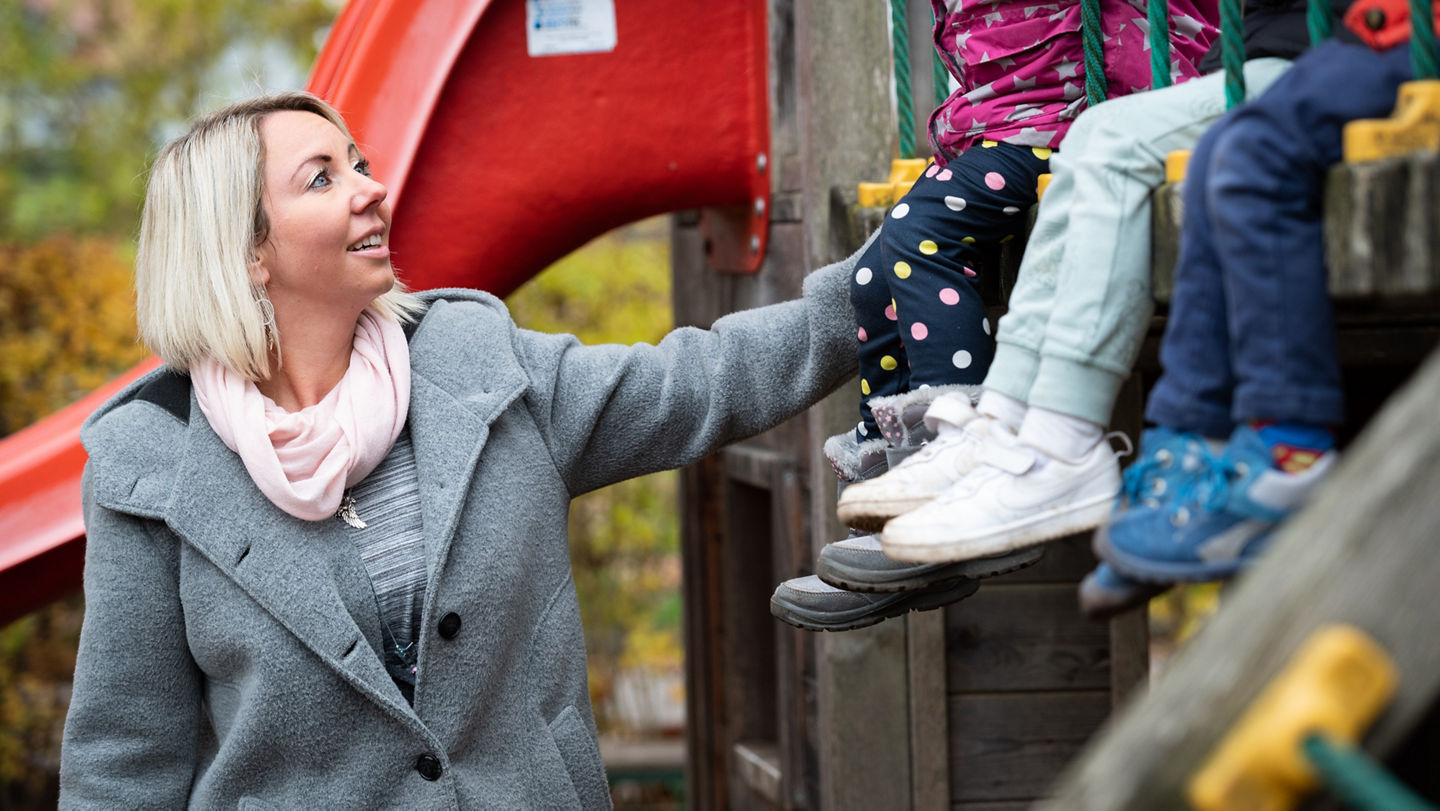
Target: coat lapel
<point x="306" y="574"/>
<point x="452" y="406"/>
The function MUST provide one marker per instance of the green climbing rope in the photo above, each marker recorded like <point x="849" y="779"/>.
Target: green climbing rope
<point x="900" y="46"/>
<point x="942" y="81"/>
<point x="1320" y="19"/>
<point x="1159" y="13"/>
<point x="1360" y="782"/>
<point x="1232" y="50"/>
<point x="1422" y="39"/>
<point x="1096" y="88"/>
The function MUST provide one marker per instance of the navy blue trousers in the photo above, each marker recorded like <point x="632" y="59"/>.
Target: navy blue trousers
<point x="916" y="290"/>
<point x="1251" y="335"/>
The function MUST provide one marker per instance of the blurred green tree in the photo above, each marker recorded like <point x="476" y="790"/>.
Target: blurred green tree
<point x="92" y="87"/>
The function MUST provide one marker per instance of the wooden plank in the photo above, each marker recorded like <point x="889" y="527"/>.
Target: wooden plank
<point x="1025" y="637"/>
<point x="1364" y="226"/>
<point x="1363" y="554"/>
<point x="1065" y="561"/>
<point x="758" y="765"/>
<point x="1008" y="746"/>
<point x="747" y="631"/>
<point x="864" y="718"/>
<point x="929" y="730"/>
<point x="1167" y="211"/>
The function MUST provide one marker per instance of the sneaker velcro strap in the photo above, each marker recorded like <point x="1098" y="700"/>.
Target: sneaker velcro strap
<point x="951" y="409"/>
<point x="1013" y="459"/>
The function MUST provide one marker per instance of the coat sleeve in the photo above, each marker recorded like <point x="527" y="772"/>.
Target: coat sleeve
<point x="613" y="412"/>
<point x="132" y="732"/>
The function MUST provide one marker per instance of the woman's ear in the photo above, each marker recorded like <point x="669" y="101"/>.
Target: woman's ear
<point x="258" y="273"/>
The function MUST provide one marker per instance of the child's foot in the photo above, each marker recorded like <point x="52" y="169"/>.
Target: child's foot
<point x="1017" y="497"/>
<point x="810" y="603"/>
<point x="1217" y="522"/>
<point x="858" y="564"/>
<point x="1105" y="592"/>
<point x="1165" y="461"/>
<point x="926" y="473"/>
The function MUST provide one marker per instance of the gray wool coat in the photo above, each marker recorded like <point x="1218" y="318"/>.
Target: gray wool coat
<point x="228" y="654"/>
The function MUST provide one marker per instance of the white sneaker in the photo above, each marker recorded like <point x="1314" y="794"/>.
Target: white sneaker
<point x="1018" y="497"/>
<point x="925" y="474"/>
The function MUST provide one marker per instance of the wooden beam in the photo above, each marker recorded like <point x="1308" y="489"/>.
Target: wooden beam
<point x="1362" y="553"/>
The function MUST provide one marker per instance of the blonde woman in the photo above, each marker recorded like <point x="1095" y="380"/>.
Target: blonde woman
<point x="327" y="557"/>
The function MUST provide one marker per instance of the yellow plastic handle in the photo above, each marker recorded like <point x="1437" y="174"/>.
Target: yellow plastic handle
<point x="1414" y="126"/>
<point x="903" y="174"/>
<point x="1336" y="684"/>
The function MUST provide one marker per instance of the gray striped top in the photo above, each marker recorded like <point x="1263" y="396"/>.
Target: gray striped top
<point x="393" y="550"/>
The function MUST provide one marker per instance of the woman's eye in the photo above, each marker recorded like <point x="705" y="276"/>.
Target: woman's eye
<point x="320" y="180"/>
<point x="363" y="167"/>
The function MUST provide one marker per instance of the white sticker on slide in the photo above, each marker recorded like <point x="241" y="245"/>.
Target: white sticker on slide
<point x="554" y="27"/>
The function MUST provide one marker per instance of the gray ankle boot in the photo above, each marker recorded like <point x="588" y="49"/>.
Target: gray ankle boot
<point x="857" y="564"/>
<point x="815" y="605"/>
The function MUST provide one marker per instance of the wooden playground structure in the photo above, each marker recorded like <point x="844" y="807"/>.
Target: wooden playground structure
<point x="1006" y="699"/>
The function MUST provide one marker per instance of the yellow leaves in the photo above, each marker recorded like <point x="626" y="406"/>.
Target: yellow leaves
<point x="67" y="324"/>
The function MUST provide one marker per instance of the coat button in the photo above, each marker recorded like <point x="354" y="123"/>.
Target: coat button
<point x="450" y="625"/>
<point x="429" y="767"/>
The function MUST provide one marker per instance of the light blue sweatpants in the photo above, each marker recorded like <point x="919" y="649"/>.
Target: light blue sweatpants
<point x="1082" y="302"/>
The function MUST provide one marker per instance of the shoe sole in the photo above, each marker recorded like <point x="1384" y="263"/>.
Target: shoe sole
<point x="1167" y="572"/>
<point x="872" y="614"/>
<point x="870" y="516"/>
<point x="1029" y="531"/>
<point x="870" y="581"/>
<point x="1100" y="604"/>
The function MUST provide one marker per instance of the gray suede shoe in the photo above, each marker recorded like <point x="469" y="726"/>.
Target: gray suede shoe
<point x="858" y="564"/>
<point x="810" y="603"/>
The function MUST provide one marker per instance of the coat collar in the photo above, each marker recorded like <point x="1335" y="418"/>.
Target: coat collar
<point x="306" y="574"/>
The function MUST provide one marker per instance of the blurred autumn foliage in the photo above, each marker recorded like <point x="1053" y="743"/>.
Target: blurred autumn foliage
<point x="89" y="89"/>
<point x="67" y="323"/>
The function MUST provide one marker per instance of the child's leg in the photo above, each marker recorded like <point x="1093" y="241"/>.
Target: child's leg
<point x="1193" y="393"/>
<point x="930" y="249"/>
<point x="1267" y="187"/>
<point x="1098" y="318"/>
<point x="884" y="369"/>
<point x="1264" y="202"/>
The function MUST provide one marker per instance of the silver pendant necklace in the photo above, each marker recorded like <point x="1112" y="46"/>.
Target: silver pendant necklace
<point x="347" y="512"/>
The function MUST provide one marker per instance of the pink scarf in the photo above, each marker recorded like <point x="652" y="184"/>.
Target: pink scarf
<point x="304" y="461"/>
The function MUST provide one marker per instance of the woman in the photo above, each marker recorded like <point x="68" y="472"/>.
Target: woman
<point x="327" y="555"/>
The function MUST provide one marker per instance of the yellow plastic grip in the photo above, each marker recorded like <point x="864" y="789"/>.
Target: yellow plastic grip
<point x="903" y="174"/>
<point x="1337" y="682"/>
<point x="1042" y="183"/>
<point x="1175" y="165"/>
<point x="1412" y="127"/>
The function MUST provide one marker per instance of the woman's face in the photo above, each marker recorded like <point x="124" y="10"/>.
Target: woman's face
<point x="328" y="246"/>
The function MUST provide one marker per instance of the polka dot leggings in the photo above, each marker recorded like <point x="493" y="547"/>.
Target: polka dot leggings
<point x="916" y="290"/>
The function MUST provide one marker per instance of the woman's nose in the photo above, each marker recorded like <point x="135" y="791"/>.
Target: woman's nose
<point x="369" y="192"/>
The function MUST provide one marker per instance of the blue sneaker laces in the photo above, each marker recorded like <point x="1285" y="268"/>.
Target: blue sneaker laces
<point x="1140" y="485"/>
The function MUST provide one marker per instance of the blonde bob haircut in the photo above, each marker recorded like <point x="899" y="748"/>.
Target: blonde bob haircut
<point x="200" y="226"/>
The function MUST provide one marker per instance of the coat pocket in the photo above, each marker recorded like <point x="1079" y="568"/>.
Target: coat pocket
<point x="581" y="754"/>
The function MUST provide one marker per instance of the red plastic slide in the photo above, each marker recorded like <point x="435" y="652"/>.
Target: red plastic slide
<point x="509" y="134"/>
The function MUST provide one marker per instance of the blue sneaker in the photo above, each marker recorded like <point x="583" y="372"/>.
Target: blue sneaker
<point x="1165" y="461"/>
<point x="1105" y="592"/>
<point x="1217" y="521"/>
